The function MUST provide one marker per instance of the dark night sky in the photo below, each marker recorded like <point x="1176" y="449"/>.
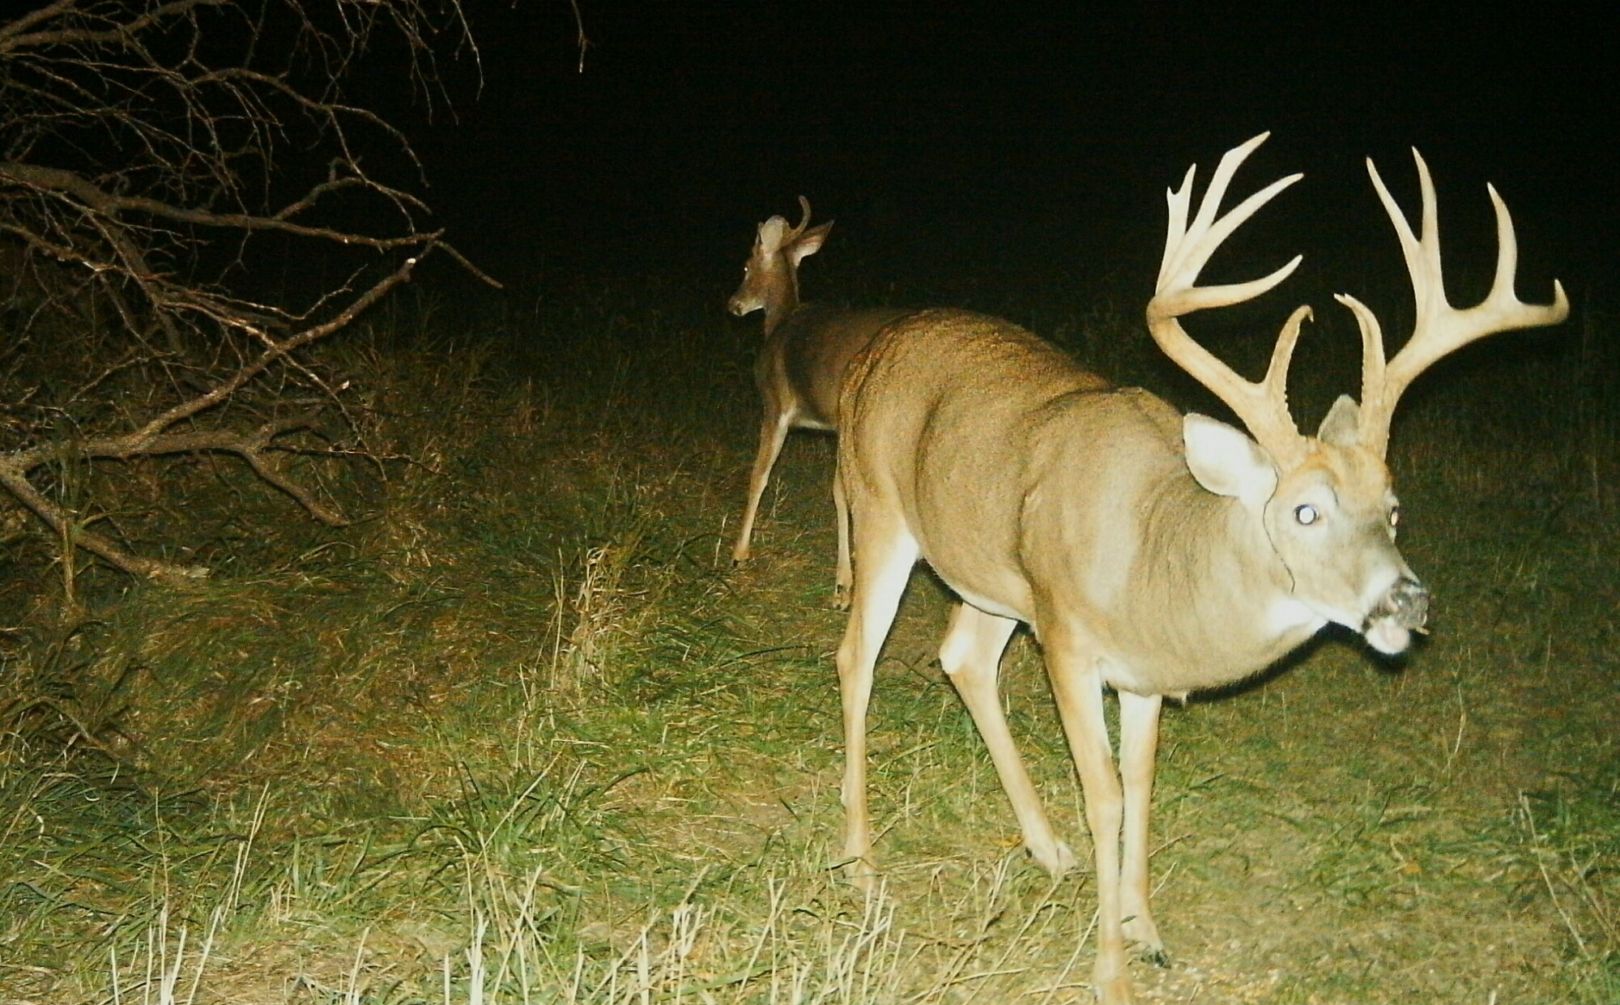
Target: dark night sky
<point x="955" y="135"/>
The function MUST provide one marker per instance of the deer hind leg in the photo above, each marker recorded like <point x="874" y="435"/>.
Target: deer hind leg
<point x="887" y="552"/>
<point x="1077" y="685"/>
<point x="1138" y="746"/>
<point x="971" y="655"/>
<point x="772" y="433"/>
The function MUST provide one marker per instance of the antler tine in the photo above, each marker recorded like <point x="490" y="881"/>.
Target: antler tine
<point x="1439" y="328"/>
<point x="804" y="221"/>
<point x="1262" y="406"/>
<point x="1372" y="362"/>
<point x="1188" y="249"/>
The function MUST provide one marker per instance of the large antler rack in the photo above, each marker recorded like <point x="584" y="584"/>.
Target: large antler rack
<point x="1262" y="406"/>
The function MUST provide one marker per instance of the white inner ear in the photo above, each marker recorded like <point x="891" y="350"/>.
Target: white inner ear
<point x="1226" y="462"/>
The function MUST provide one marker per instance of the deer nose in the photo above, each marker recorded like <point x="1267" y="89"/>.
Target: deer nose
<point x="1407" y="603"/>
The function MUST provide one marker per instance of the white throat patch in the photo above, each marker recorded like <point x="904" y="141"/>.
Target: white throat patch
<point x="1287" y="615"/>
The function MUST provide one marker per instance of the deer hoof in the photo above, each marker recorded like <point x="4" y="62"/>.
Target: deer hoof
<point x="1116" y="991"/>
<point x="1140" y="930"/>
<point x="1057" y="860"/>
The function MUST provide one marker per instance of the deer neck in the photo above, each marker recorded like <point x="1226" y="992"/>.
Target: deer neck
<point x="782" y="299"/>
<point x="1214" y="594"/>
<point x="1180" y="589"/>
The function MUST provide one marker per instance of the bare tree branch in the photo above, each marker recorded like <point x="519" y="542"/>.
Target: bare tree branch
<point x="16" y="482"/>
<point x="154" y="154"/>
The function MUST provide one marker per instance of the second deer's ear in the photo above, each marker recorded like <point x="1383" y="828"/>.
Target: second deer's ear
<point x="771" y="233"/>
<point x="808" y="243"/>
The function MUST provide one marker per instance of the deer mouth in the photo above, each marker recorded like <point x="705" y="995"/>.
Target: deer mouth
<point x="1403" y="610"/>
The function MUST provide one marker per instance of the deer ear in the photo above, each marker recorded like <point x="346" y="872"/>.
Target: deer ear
<point x="1227" y="462"/>
<point x="809" y="243"/>
<point x="1342" y="427"/>
<point x="770" y="235"/>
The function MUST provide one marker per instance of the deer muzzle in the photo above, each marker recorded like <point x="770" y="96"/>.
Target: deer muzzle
<point x="1403" y="610"/>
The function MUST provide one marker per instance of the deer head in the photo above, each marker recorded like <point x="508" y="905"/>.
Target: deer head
<point x="771" y="274"/>
<point x="1326" y="502"/>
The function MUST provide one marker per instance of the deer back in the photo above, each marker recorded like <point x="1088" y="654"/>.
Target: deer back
<point x="809" y="352"/>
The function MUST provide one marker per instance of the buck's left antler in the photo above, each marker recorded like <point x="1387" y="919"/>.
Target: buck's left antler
<point x="1440" y="328"/>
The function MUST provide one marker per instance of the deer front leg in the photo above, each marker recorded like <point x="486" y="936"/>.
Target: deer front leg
<point x="970" y="656"/>
<point x="1138" y="747"/>
<point x="1077" y="685"/>
<point x="772" y="433"/>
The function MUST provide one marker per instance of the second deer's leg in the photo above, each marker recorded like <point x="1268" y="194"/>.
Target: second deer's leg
<point x="772" y="432"/>
<point x="886" y="552"/>
<point x="844" y="580"/>
<point x="1138" y="746"/>
<point x="971" y="656"/>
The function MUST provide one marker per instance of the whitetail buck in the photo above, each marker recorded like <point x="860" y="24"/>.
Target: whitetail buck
<point x="801" y="365"/>
<point x="1149" y="552"/>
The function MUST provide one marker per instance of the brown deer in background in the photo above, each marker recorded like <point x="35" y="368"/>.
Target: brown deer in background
<point x="1150" y="552"/>
<point x="801" y="365"/>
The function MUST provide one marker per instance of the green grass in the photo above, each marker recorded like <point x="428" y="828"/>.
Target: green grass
<point x="522" y="735"/>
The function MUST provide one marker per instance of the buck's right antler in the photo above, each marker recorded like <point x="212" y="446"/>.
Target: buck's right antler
<point x="804" y="221"/>
<point x="1262" y="406"/>
<point x="1440" y="328"/>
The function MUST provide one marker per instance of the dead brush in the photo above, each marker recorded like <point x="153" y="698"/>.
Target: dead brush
<point x="601" y="607"/>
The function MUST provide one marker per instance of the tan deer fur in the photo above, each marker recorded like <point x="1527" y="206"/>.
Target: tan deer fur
<point x="1149" y="552"/>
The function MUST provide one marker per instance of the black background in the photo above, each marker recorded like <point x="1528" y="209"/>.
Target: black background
<point x="967" y="140"/>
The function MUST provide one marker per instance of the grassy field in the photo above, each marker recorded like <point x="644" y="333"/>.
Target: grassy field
<point x="521" y="734"/>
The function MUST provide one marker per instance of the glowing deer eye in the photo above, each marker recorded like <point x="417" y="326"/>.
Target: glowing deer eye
<point x="1306" y="514"/>
<point x="1394" y="516"/>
